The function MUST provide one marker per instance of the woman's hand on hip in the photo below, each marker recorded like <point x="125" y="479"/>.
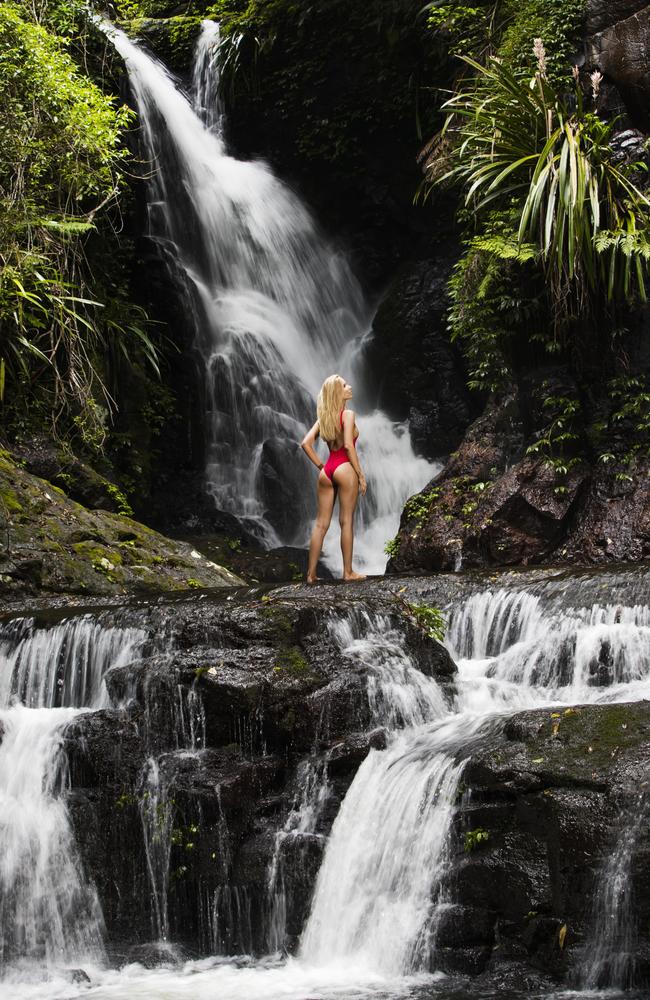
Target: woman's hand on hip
<point x="363" y="486"/>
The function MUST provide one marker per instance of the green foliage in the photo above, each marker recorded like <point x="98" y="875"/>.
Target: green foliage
<point x="508" y="28"/>
<point x="468" y="29"/>
<point x="627" y="429"/>
<point x="474" y="838"/>
<point x="419" y="505"/>
<point x="559" y="437"/>
<point x="331" y="78"/>
<point x="429" y="619"/>
<point x="494" y="294"/>
<point x="391" y="548"/>
<point x="517" y="143"/>
<point x="557" y="22"/>
<point x="62" y="167"/>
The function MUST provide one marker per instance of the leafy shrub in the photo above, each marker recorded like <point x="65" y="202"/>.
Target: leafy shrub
<point x="62" y="165"/>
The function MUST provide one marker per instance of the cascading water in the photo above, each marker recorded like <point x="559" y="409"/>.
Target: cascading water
<point x="274" y="310"/>
<point x="379" y="891"/>
<point x="49" y="912"/>
<point x="608" y="959"/>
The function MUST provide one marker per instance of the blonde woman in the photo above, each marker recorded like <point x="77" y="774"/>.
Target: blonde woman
<point x="341" y="474"/>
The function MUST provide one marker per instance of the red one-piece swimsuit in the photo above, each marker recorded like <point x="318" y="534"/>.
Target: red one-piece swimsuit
<point x="337" y="457"/>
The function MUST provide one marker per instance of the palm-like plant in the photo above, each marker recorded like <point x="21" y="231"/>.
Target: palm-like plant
<point x="517" y="142"/>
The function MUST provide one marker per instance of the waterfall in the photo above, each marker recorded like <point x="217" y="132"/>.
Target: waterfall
<point x="378" y="892"/>
<point x="514" y="651"/>
<point x="273" y="307"/>
<point x="49" y="912"/>
<point x="375" y="895"/>
<point x="608" y="959"/>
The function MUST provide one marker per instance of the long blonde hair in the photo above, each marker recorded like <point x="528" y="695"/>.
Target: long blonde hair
<point x="329" y="404"/>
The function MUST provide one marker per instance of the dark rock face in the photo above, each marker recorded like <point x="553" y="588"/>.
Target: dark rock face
<point x="553" y="791"/>
<point x="495" y="505"/>
<point x="203" y="754"/>
<point x="419" y="374"/>
<point x="604" y="13"/>
<point x="620" y="51"/>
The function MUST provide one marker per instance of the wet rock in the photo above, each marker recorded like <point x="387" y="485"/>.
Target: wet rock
<point x="605" y="13"/>
<point x="495" y="505"/>
<point x="202" y="749"/>
<point x="550" y="790"/>
<point x="287" y="504"/>
<point x="419" y="373"/>
<point x="155" y="953"/>
<point x="77" y="976"/>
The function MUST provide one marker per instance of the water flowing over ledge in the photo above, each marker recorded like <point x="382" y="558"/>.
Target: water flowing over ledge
<point x="361" y="834"/>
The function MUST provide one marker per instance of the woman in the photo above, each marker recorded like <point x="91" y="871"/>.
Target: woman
<point x="341" y="474"/>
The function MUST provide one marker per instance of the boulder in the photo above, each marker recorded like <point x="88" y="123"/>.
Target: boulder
<point x="552" y="792"/>
<point x="52" y="544"/>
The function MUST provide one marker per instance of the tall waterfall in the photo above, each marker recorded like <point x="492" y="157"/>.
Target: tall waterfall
<point x="274" y="310"/>
<point x="49" y="912"/>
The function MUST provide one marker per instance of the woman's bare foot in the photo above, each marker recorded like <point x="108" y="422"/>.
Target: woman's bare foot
<point x="313" y="579"/>
<point x="350" y="577"/>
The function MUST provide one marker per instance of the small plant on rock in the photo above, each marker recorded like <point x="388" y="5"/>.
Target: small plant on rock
<point x="474" y="838"/>
<point x="429" y="619"/>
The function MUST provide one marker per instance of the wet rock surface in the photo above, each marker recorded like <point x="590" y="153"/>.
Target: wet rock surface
<point x="551" y="792"/>
<point x="618" y="47"/>
<point x="494" y="504"/>
<point x="234" y="700"/>
<point x="419" y="373"/>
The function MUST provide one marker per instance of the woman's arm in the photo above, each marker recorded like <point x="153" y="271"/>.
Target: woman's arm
<point x="350" y="450"/>
<point x="307" y="445"/>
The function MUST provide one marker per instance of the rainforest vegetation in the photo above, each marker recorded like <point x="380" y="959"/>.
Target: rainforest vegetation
<point x="477" y="115"/>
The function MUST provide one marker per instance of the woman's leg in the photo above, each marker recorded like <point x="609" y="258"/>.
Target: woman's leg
<point x="326" y="495"/>
<point x="347" y="482"/>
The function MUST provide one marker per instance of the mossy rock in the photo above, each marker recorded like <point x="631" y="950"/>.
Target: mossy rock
<point x="171" y="39"/>
<point x="55" y="545"/>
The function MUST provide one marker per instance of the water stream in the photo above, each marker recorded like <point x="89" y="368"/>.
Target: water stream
<point x="274" y="309"/>
<point x="372" y="926"/>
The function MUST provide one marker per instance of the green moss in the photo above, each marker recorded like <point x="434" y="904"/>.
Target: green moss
<point x="277" y="617"/>
<point x="171" y="38"/>
<point x="95" y="553"/>
<point x="290" y="660"/>
<point x="589" y="738"/>
<point x="10" y="501"/>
